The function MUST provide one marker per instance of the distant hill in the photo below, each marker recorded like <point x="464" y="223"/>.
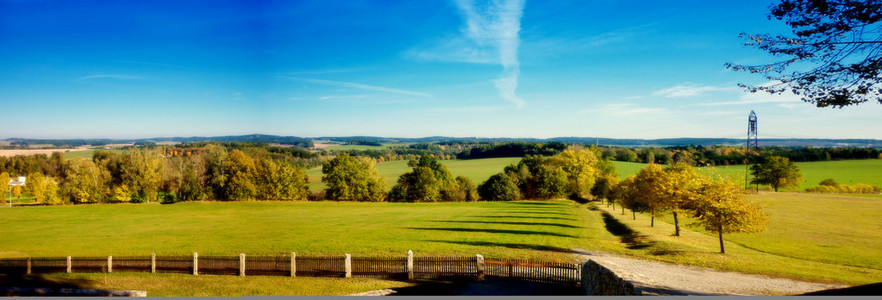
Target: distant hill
<point x="306" y="142"/>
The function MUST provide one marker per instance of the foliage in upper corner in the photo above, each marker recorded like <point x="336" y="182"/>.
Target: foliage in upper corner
<point x="840" y="39"/>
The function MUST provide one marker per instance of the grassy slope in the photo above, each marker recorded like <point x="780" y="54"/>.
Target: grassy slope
<point x="797" y="245"/>
<point x="477" y="170"/>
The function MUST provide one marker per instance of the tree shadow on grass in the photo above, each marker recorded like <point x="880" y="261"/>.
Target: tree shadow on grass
<point x="512" y="223"/>
<point x="535" y="212"/>
<point x="507" y="245"/>
<point x="489" y="287"/>
<point x="482" y="230"/>
<point x="525" y="217"/>
<point x="535" y="203"/>
<point x="626" y="235"/>
<point x="31" y="281"/>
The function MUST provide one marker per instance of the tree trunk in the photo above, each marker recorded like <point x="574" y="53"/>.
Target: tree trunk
<point x="676" y="225"/>
<point x="634" y="214"/>
<point x="623" y="210"/>
<point x="722" y="249"/>
<point x="613" y="205"/>
<point x="651" y="221"/>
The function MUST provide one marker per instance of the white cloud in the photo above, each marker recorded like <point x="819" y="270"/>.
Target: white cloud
<point x="490" y="35"/>
<point x="689" y="90"/>
<point x="358" y="86"/>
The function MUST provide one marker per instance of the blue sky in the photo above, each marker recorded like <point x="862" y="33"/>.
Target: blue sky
<point x="617" y="69"/>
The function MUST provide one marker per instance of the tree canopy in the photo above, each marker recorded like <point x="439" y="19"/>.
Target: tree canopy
<point x="719" y="206"/>
<point x="350" y="178"/>
<point x="779" y="172"/>
<point x="841" y="41"/>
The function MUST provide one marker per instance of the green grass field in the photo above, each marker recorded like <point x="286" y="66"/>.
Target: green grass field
<point x="848" y="172"/>
<point x="360" y="147"/>
<point x="478" y="170"/>
<point x="826" y="238"/>
<point x="495" y="229"/>
<point x="87" y="154"/>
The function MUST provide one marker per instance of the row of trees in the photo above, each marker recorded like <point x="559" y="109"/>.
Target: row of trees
<point x="714" y="202"/>
<point x="573" y="172"/>
<point x="145" y="175"/>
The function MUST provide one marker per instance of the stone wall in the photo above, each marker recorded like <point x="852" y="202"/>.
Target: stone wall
<point x="598" y="280"/>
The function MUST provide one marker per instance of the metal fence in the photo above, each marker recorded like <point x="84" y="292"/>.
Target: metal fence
<point x="436" y="267"/>
<point x="533" y="270"/>
<point x="387" y="267"/>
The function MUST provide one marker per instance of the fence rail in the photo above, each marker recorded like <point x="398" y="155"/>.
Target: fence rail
<point x="387" y="267"/>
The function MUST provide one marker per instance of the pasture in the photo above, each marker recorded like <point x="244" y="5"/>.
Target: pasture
<point x="478" y="170"/>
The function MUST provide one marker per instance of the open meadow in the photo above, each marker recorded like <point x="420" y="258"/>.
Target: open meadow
<point x="825" y="238"/>
<point x="847" y="172"/>
<point x="477" y="170"/>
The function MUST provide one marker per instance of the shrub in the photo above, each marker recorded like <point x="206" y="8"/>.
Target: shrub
<point x="499" y="187"/>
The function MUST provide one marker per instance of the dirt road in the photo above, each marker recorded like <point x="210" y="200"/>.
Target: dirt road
<point x="658" y="278"/>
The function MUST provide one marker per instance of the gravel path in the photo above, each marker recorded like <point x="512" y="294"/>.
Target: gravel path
<point x="658" y="278"/>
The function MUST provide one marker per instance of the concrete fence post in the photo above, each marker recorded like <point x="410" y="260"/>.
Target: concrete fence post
<point x="348" y="265"/>
<point x="110" y="264"/>
<point x="195" y="263"/>
<point x="480" y="261"/>
<point x="152" y="262"/>
<point x="409" y="265"/>
<point x="293" y="264"/>
<point x="68" y="264"/>
<point x="241" y="264"/>
<point x="29" y="265"/>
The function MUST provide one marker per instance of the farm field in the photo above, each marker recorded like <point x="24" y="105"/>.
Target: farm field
<point x="87" y="154"/>
<point x="47" y="152"/>
<point x="360" y="147"/>
<point x="477" y="170"/>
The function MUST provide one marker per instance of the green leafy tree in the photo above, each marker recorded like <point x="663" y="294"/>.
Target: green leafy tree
<point x="833" y="56"/>
<point x="629" y="196"/>
<point x="142" y="173"/>
<point x="465" y="189"/>
<point x="720" y="208"/>
<point x="581" y="168"/>
<point x="777" y="171"/>
<point x="239" y="170"/>
<point x="499" y="187"/>
<point x="679" y="182"/>
<point x="84" y="182"/>
<point x="4" y="185"/>
<point x="349" y="178"/>
<point x="550" y="182"/>
<point x="419" y="185"/>
<point x="650" y="184"/>
<point x="192" y="187"/>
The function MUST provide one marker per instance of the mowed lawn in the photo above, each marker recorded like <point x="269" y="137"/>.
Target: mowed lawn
<point x="494" y="229"/>
<point x="478" y="170"/>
